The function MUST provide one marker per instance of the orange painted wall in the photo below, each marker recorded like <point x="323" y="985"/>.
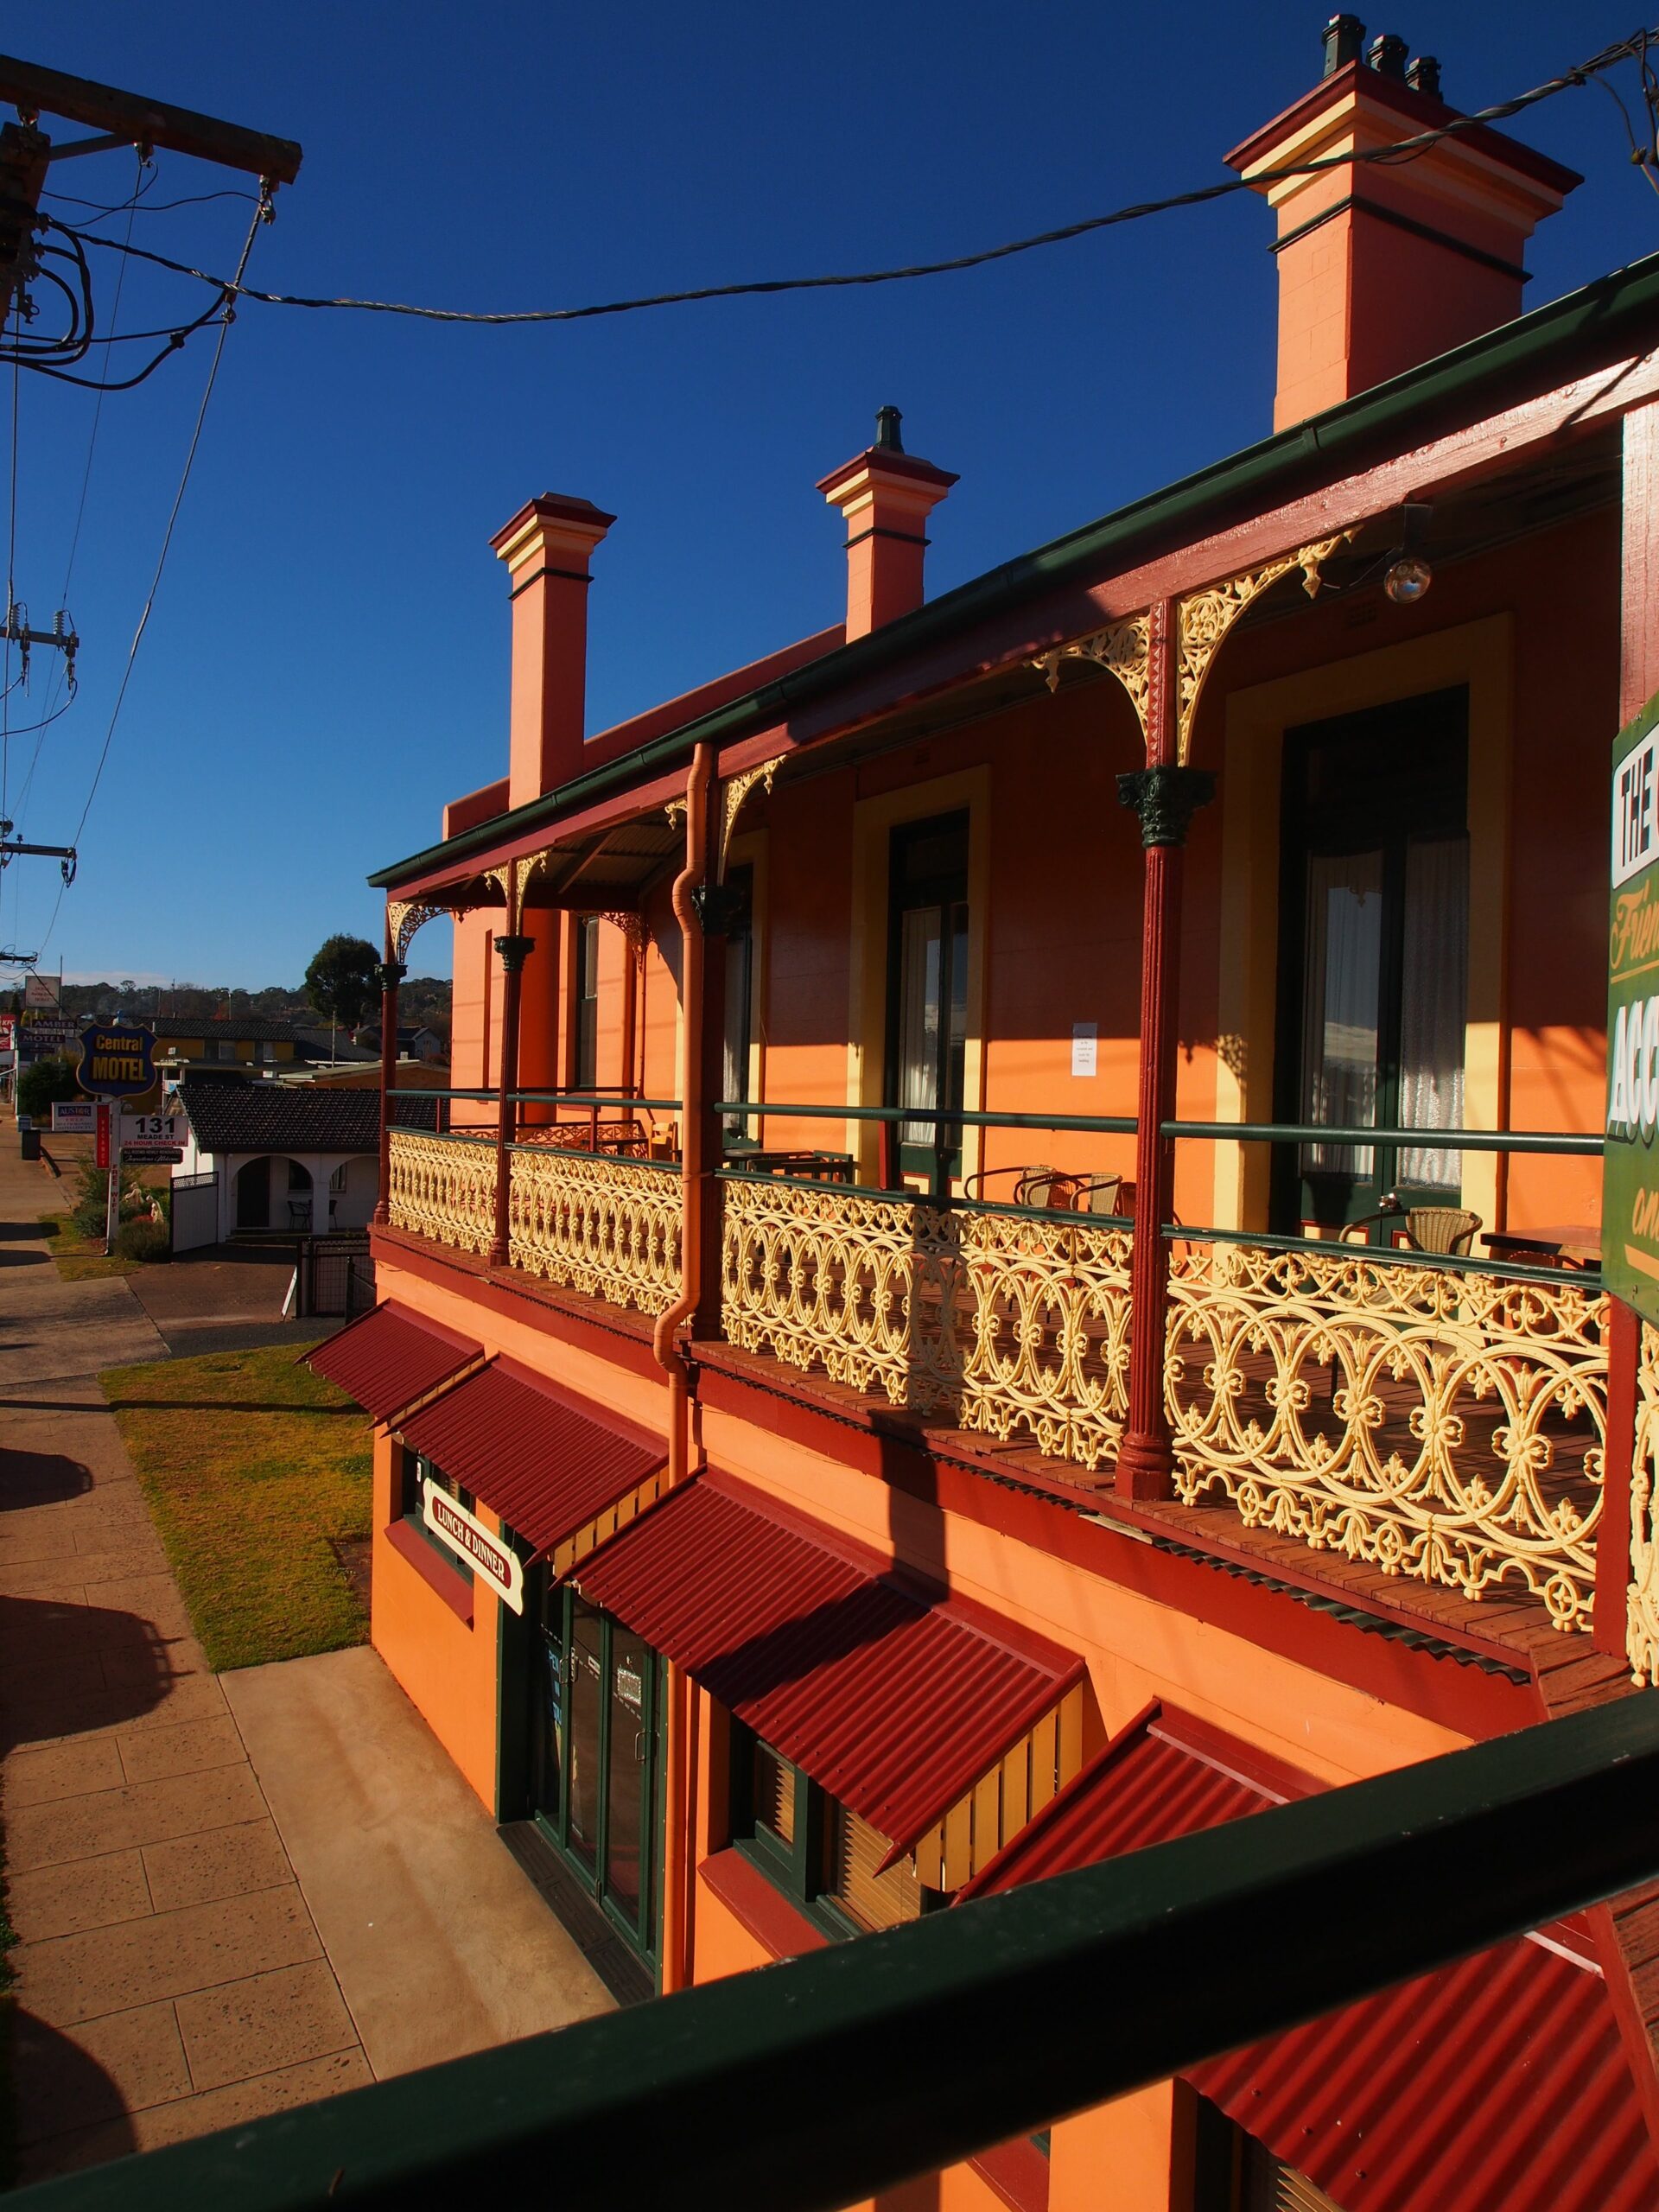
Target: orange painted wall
<point x="475" y="1057"/>
<point x="448" y="1667"/>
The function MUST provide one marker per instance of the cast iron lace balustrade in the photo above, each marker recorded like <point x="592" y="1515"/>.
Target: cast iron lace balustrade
<point x="607" y="1228"/>
<point x="997" y="1323"/>
<point x="1642" y="1632"/>
<point x="443" y="1188"/>
<point x="1444" y="1424"/>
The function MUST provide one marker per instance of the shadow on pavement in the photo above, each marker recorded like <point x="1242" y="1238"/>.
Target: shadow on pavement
<point x="40" y="1477"/>
<point x="59" y="2087"/>
<point x="70" y="1668"/>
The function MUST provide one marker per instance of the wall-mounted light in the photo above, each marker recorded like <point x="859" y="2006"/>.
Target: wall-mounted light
<point x="1409" y="574"/>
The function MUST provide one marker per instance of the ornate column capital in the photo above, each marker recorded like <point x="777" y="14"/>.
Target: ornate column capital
<point x="1165" y="799"/>
<point x="391" y="972"/>
<point x="720" y="908"/>
<point x="514" y="952"/>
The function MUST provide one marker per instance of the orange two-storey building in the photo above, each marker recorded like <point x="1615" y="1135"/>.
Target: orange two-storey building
<point x="1014" y="1268"/>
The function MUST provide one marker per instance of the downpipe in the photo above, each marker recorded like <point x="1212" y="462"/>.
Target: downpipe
<point x="680" y="1873"/>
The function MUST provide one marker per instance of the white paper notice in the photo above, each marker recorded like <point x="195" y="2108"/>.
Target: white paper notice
<point x="1084" y="1035"/>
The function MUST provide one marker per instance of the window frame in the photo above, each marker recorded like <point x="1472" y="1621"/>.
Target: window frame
<point x="584" y="998"/>
<point x="799" y="1869"/>
<point x="417" y="1468"/>
<point x="944" y="893"/>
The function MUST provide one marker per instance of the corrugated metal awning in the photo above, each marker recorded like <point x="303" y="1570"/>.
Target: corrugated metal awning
<point x="1500" y="2080"/>
<point x="898" y="1704"/>
<point x="562" y="1473"/>
<point x="391" y="1358"/>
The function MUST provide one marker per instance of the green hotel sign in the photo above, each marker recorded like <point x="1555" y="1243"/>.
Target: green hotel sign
<point x="1629" y="1201"/>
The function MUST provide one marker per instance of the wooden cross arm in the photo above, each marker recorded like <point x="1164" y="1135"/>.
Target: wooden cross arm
<point x="147" y="122"/>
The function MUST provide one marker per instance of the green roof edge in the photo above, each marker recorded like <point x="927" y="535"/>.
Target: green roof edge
<point x="1499" y="367"/>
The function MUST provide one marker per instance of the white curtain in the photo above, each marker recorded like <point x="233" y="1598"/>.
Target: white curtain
<point x="1433" y="1003"/>
<point x="1341" y="1001"/>
<point x="921" y="964"/>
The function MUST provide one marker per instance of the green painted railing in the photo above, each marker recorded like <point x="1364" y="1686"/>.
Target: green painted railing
<point x="820" y="2080"/>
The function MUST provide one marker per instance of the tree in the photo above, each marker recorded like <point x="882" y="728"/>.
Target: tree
<point x="343" y="981"/>
<point x="39" y="1085"/>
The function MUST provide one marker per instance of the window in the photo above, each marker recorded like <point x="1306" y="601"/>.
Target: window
<point x="587" y="1036"/>
<point x="818" y="1852"/>
<point x="266" y="1052"/>
<point x="418" y="1472"/>
<point x="219" y="1048"/>
<point x="927" y="987"/>
<point x="1232" y="2172"/>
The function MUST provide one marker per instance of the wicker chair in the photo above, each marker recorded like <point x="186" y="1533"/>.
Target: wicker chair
<point x="1446" y="1231"/>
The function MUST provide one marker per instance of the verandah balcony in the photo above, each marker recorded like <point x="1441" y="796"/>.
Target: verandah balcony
<point x="1437" y="1416"/>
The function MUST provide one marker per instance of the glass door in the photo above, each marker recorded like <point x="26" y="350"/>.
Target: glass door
<point x="594" y="1742"/>
<point x="1374" y="945"/>
<point x="927" y="989"/>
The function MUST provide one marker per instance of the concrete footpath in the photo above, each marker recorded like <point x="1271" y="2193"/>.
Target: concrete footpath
<point x="186" y="1959"/>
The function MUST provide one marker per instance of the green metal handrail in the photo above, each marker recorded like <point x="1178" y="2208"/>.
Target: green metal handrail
<point x="1177" y="1233"/>
<point x="831" y="2076"/>
<point x="1544" y="1141"/>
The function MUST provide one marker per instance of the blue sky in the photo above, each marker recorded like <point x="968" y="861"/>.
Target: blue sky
<point x="327" y="661"/>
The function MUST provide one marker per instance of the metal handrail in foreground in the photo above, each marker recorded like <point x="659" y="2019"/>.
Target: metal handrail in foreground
<point x="826" y="2078"/>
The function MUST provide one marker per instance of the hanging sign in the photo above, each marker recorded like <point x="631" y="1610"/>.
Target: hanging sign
<point x="495" y="1565"/>
<point x="117" y="1060"/>
<point x="152" y="1139"/>
<point x="1629" y="1184"/>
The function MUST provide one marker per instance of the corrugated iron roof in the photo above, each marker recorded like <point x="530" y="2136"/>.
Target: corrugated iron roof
<point x="546" y="1461"/>
<point x="392" y="1357"/>
<point x="1501" y="2080"/>
<point x="896" y="1702"/>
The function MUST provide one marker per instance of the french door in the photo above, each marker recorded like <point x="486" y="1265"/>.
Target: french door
<point x="594" y="1721"/>
<point x="927" y="989"/>
<point x="1374" y="939"/>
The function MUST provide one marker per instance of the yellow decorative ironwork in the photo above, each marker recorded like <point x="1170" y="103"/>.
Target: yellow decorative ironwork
<point x="405" y="917"/>
<point x="733" y="793"/>
<point x="675" y="809"/>
<point x="607" y="1228"/>
<point x="1206" y="617"/>
<point x="1123" y="648"/>
<point x="1642" y="1626"/>
<point x="1444" y="1425"/>
<point x="998" y="1322"/>
<point x="443" y="1188"/>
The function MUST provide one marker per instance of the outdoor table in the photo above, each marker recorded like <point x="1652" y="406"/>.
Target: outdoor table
<point x="1578" y="1243"/>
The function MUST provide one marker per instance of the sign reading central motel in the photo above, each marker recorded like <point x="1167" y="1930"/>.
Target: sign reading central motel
<point x="1630" y="1179"/>
<point x="117" y="1060"/>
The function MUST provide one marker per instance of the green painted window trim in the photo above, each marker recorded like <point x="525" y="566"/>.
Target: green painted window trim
<point x="415" y="1468"/>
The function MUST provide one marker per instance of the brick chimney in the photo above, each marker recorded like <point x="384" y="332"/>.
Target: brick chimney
<point x="886" y="496"/>
<point x="1383" y="265"/>
<point x="546" y="547"/>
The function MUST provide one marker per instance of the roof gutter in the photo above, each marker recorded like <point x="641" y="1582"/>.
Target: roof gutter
<point x="1600" y="323"/>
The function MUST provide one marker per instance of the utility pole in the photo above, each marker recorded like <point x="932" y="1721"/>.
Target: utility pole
<point x="120" y="118"/>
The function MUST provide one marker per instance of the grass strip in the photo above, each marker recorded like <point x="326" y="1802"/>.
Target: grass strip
<point x="251" y="1465"/>
<point x="81" y="1259"/>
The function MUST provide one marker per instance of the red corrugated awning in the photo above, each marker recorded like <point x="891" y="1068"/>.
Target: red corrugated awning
<point x="549" y="1463"/>
<point x="895" y="1703"/>
<point x="392" y="1357"/>
<point x="1500" y="2080"/>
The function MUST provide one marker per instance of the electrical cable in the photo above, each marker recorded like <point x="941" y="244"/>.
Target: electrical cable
<point x="160" y="558"/>
<point x="1633" y="47"/>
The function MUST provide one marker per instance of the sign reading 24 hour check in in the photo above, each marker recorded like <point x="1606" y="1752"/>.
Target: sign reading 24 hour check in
<point x="492" y="1560"/>
<point x="1630" y="1202"/>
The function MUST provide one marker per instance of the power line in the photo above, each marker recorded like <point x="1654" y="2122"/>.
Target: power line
<point x="1633" y="47"/>
<point x="160" y="558"/>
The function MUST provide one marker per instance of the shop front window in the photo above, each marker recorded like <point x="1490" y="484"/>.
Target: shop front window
<point x="419" y="1473"/>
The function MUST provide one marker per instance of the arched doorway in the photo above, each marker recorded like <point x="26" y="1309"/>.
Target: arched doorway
<point x="299" y="1197"/>
<point x="253" y="1194"/>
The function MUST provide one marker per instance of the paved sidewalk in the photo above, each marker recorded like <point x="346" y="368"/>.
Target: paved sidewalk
<point x="176" y="1974"/>
<point x="406" y="1879"/>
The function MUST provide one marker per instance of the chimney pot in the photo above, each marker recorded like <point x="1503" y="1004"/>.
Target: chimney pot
<point x="1388" y="55"/>
<point x="1345" y="41"/>
<point x="886" y="496"/>
<point x="1424" y="76"/>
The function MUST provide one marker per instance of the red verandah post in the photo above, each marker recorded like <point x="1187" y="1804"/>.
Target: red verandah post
<point x="514" y="950"/>
<point x="391" y="972"/>
<point x="1164" y="796"/>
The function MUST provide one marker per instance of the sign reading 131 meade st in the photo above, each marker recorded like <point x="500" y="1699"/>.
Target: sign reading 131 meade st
<point x="1629" y="1201"/>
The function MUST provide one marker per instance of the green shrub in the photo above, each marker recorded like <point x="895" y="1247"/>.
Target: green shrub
<point x="90" y="1212"/>
<point x="143" y="1238"/>
<point x="41" y="1086"/>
